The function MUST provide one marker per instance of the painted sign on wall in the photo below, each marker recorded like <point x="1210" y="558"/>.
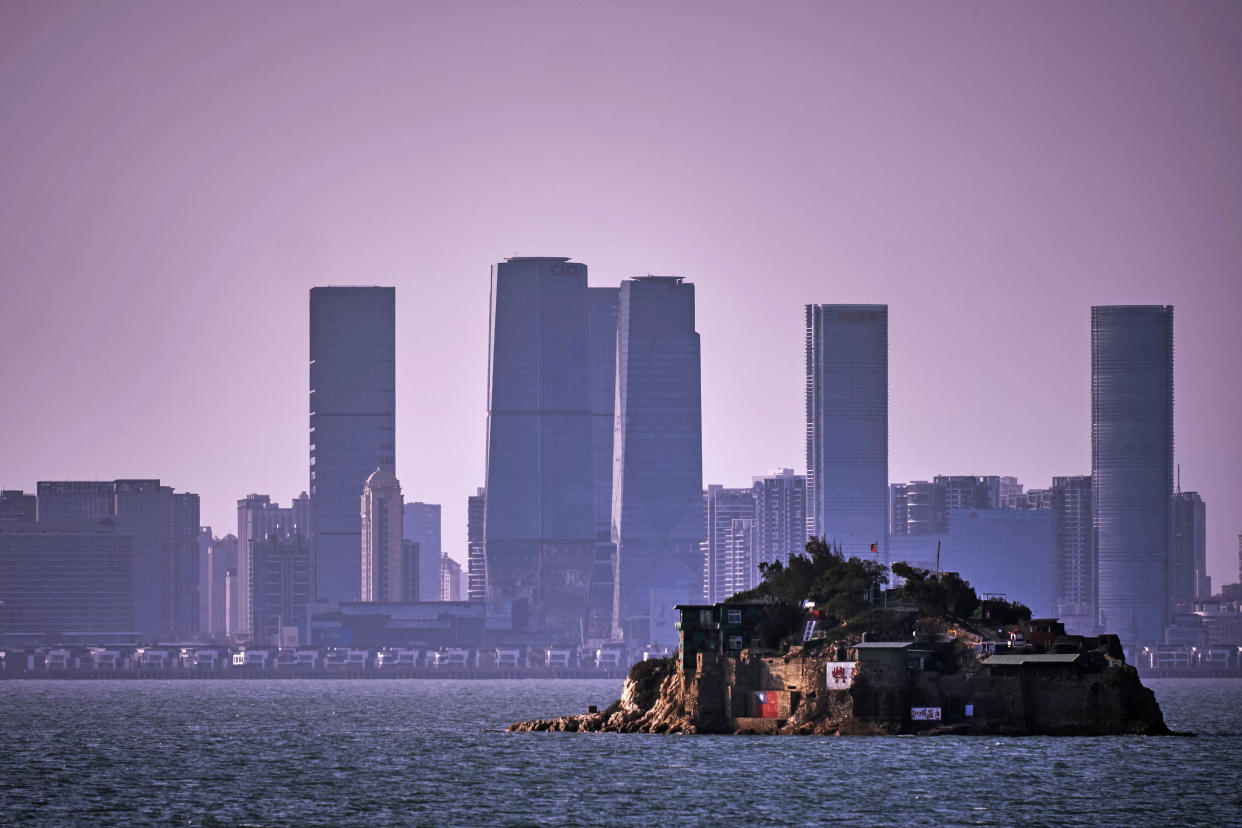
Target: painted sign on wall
<point x="925" y="714"/>
<point x="840" y="675"/>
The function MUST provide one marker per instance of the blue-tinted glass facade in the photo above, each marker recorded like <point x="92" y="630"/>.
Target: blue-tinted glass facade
<point x="657" y="516"/>
<point x="352" y="423"/>
<point x="847" y="426"/>
<point x="603" y="307"/>
<point x="1132" y="466"/>
<point x="539" y="523"/>
<point x="422" y="526"/>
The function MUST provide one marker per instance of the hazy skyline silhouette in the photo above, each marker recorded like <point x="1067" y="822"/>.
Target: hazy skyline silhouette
<point x="176" y="178"/>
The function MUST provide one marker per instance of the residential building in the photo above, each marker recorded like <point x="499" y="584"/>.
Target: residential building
<point x="780" y="516"/>
<point x="476" y="560"/>
<point x="258" y="517"/>
<point x="281" y="589"/>
<point x="68" y="499"/>
<point x="164" y="528"/>
<point x="1132" y="466"/>
<point x="422" y="526"/>
<point x="18" y="507"/>
<point x="451" y="587"/>
<point x="385" y="576"/>
<point x="352" y="423"/>
<point x="918" y="508"/>
<point x="70" y="575"/>
<point x="1074" y="556"/>
<point x="539" y="513"/>
<point x="1188" y="578"/>
<point x="657" y="517"/>
<point x="729" y="563"/>
<point x="847" y="426"/>
<point x="222" y="557"/>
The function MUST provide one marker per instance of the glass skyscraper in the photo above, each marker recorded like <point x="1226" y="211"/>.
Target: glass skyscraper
<point x="1132" y="466"/>
<point x="352" y="423"/>
<point x="657" y="492"/>
<point x="539" y="522"/>
<point x="847" y="426"/>
<point x="603" y="306"/>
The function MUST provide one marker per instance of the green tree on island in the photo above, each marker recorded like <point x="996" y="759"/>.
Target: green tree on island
<point x="847" y="595"/>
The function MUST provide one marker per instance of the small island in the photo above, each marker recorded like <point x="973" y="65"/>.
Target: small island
<point x="821" y="646"/>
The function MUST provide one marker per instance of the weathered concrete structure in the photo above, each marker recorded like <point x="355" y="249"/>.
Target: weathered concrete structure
<point x="932" y="686"/>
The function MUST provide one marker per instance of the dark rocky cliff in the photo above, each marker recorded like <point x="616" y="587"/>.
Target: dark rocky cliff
<point x="1092" y="695"/>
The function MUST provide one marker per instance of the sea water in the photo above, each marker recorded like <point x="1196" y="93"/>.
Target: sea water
<point x="409" y="752"/>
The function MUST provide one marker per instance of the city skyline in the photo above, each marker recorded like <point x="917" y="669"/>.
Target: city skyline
<point x="989" y="237"/>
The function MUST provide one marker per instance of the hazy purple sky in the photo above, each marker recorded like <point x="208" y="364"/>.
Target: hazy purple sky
<point x="175" y="176"/>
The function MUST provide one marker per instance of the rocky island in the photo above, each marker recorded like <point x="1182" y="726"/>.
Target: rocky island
<point x="821" y="647"/>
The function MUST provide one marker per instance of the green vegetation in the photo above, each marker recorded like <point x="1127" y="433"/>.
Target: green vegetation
<point x="1001" y="613"/>
<point x="848" y="596"/>
<point x="937" y="595"/>
<point x="840" y="588"/>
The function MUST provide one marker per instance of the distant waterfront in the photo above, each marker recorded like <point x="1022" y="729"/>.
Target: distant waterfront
<point x="427" y="752"/>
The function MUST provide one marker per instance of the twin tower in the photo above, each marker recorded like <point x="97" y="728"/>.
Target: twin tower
<point x="594" y="504"/>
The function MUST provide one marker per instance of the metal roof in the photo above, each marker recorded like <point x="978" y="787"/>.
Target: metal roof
<point x="882" y="645"/>
<point x="1031" y="658"/>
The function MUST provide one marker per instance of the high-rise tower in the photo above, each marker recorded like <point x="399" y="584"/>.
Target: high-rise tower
<point x="539" y="523"/>
<point x="603" y="306"/>
<point x="386" y="575"/>
<point x="1132" y="466"/>
<point x="352" y="423"/>
<point x="847" y="426"/>
<point x="657" y="490"/>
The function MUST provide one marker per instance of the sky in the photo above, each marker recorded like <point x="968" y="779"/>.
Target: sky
<point x="174" y="177"/>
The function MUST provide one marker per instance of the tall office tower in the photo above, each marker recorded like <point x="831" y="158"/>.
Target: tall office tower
<point x="1132" y="466"/>
<point x="780" y="516"/>
<point x="17" y="506"/>
<point x="352" y="423"/>
<point x="280" y="583"/>
<point x="847" y="426"/>
<point x="422" y="526"/>
<point x="539" y="513"/>
<point x="257" y="517"/>
<point x="1074" y="564"/>
<point x="385" y="576"/>
<point x="221" y="559"/>
<point x="1188" y="578"/>
<point x="476" y="560"/>
<point x="66" y="575"/>
<point x="729" y="566"/>
<point x="657" y="488"/>
<point x="603" y="307"/>
<point x="918" y="508"/>
<point x="450" y="579"/>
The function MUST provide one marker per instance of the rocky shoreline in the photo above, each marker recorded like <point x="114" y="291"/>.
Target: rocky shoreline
<point x="950" y="689"/>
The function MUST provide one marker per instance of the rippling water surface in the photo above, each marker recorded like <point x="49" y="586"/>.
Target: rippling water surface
<point x="432" y="753"/>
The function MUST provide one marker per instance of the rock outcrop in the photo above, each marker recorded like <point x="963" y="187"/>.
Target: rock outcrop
<point x="1091" y="694"/>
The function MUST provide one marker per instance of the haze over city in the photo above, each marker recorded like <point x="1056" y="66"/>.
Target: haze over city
<point x="176" y="178"/>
